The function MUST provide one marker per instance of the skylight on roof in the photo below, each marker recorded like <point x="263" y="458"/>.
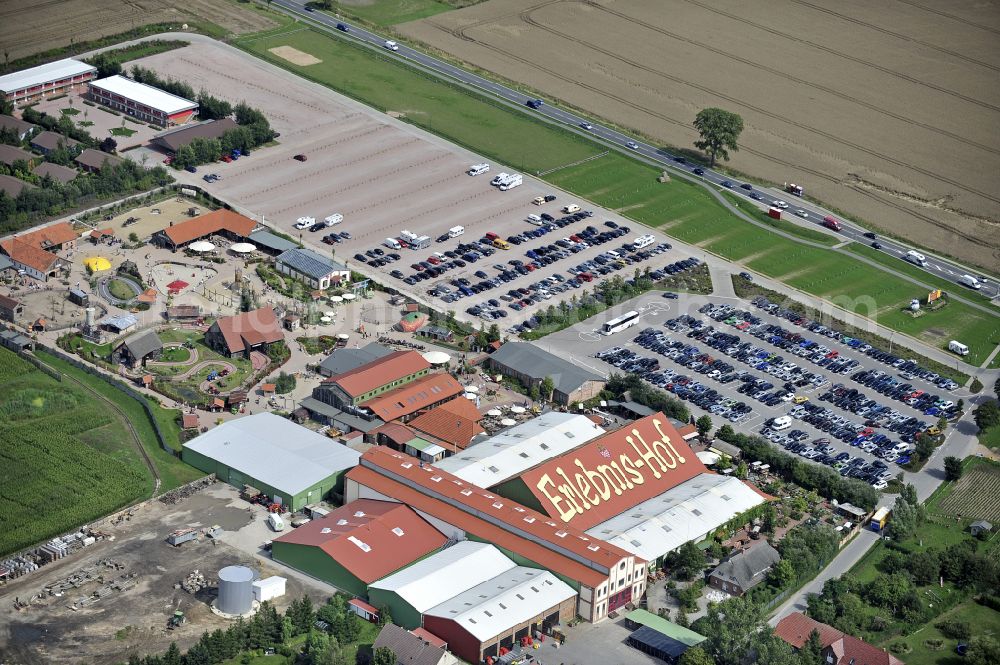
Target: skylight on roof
<point x="667" y="528"/>
<point x="363" y="546"/>
<point x="342" y="522"/>
<point x="436" y="479"/>
<point x="593" y="548"/>
<point x="635" y="543"/>
<point x="524" y="455"/>
<point x="359" y="513"/>
<point x="498" y="505"/>
<point x="487" y="613"/>
<point x="570" y="435"/>
<point x="502" y="606"/>
<point x="406" y="465"/>
<point x="327" y="529"/>
<point x="518" y="509"/>
<point x="398" y="531"/>
<point x="726" y="497"/>
<point x="494" y="469"/>
<point x="561" y="534"/>
<point x="529" y="519"/>
<point x="551" y="523"/>
<point x="544" y="446"/>
<point x="519" y="596"/>
<point x="466" y="492"/>
<point x="696" y="511"/>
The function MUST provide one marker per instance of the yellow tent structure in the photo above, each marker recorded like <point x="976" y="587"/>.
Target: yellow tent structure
<point x="97" y="264"/>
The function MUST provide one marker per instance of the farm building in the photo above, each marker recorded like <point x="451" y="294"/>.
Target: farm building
<point x="225" y="223"/>
<point x="371" y="379"/>
<point x="18" y="126"/>
<point x="46" y="80"/>
<point x="442" y="576"/>
<point x="530" y="364"/>
<point x="658" y="637"/>
<point x="406" y="401"/>
<point x="316" y="270"/>
<point x="10" y="309"/>
<point x="137" y="349"/>
<point x="510" y="453"/>
<point x="270" y="243"/>
<point x="118" y="323"/>
<point x="412" y="648"/>
<point x="142" y="101"/>
<point x="601" y="572"/>
<point x="95" y="161"/>
<point x="743" y="570"/>
<point x="15" y="341"/>
<point x="293" y="465"/>
<point x="173" y="140"/>
<point x="45" y="142"/>
<point x="34" y="252"/>
<point x="240" y="334"/>
<point x="346" y="359"/>
<point x="499" y="612"/>
<point x="358" y="543"/>
<point x="454" y="424"/>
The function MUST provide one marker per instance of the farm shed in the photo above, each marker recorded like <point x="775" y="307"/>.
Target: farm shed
<point x="293" y="465"/>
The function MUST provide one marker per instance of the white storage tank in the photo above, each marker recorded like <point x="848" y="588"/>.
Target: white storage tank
<point x="269" y="588"/>
<point x="235" y="590"/>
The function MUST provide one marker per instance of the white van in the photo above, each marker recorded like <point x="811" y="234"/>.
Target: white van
<point x="970" y="281"/>
<point x="392" y="243"/>
<point x="644" y="241"/>
<point x="534" y="219"/>
<point x="304" y="222"/>
<point x="275" y="522"/>
<point x="478" y="169"/>
<point x="391" y="45"/>
<point x="334" y="219"/>
<point x="571" y="208"/>
<point x="958" y="347"/>
<point x="780" y="423"/>
<point x="916" y="258"/>
<point x="456" y="231"/>
<point x="498" y="178"/>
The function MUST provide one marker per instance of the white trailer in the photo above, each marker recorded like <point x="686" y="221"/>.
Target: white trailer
<point x="515" y="180"/>
<point x="456" y="231"/>
<point x="958" y="347"/>
<point x="269" y="588"/>
<point x="334" y="219"/>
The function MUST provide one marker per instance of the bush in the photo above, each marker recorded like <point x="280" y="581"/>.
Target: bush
<point x="956" y="630"/>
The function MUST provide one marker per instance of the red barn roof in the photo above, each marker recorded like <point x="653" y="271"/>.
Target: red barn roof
<point x="455" y="422"/>
<point x="413" y="396"/>
<point x="206" y="225"/>
<point x="370" y="538"/>
<point x="614" y="472"/>
<point x="380" y="372"/>
<point x="796" y="628"/>
<point x="259" y="326"/>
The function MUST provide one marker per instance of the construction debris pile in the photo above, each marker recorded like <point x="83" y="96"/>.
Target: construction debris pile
<point x="57" y="548"/>
<point x="184" y="492"/>
<point x="193" y="583"/>
<point x="95" y="574"/>
<point x="123" y="582"/>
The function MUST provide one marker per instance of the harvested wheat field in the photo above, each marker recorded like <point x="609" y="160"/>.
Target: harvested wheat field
<point x="28" y="27"/>
<point x="888" y="111"/>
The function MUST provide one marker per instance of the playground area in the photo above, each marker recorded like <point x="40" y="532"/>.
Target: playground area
<point x="176" y="278"/>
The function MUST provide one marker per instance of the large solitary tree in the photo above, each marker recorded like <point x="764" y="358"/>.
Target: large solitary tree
<point x="719" y="130"/>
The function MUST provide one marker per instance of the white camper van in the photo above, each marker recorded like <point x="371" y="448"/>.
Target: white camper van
<point x="478" y="169"/>
<point x="916" y="258"/>
<point x="958" y="347"/>
<point x="456" y="231"/>
<point x="970" y="281"/>
<point x="334" y="219"/>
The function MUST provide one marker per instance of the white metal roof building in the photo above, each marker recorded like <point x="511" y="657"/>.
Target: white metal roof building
<point x="292" y="464"/>
<point x="142" y="101"/>
<point x="500" y="611"/>
<point x="688" y="512"/>
<point x="511" y="453"/>
<point x="432" y="581"/>
<point x="52" y="77"/>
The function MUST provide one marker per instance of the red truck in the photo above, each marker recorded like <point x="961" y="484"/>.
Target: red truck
<point x="832" y="223"/>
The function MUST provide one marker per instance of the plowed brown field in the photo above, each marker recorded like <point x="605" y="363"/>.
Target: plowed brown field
<point x="28" y="27"/>
<point x="889" y="110"/>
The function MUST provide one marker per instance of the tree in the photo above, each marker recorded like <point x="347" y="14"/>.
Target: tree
<point x="688" y="560"/>
<point x="987" y="414"/>
<point x="173" y="655"/>
<point x="704" y="425"/>
<point x="952" y="468"/>
<point x="730" y="627"/>
<point x="696" y="656"/>
<point x="811" y="652"/>
<point x="109" y="145"/>
<point x="301" y="610"/>
<point x="742" y="470"/>
<point x="983" y="650"/>
<point x="548" y="386"/>
<point x="383" y="656"/>
<point x="782" y="574"/>
<point x="682" y="618"/>
<point x="719" y="130"/>
<point x="533" y="392"/>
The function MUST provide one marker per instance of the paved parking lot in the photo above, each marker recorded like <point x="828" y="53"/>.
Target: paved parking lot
<point x="720" y="363"/>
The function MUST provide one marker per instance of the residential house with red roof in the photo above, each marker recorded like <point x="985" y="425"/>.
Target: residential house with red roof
<point x="838" y="648"/>
<point x="358" y="543"/>
<point x="238" y="335"/>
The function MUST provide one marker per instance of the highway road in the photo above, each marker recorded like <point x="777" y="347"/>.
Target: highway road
<point x="937" y="267"/>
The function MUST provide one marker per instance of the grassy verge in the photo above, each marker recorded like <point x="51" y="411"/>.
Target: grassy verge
<point x="390" y="12"/>
<point x="785" y="225"/>
<point x="679" y="208"/>
<point x="748" y="290"/>
<point x="696" y="280"/>
<point x="173" y="472"/>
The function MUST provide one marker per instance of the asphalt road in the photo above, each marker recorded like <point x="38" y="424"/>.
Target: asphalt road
<point x="939" y="268"/>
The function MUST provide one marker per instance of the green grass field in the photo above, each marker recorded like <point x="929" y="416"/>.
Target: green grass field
<point x="681" y="209"/>
<point x="391" y="12"/>
<point x="985" y="621"/>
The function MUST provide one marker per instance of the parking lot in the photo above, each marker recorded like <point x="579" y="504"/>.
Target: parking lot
<point x="751" y="363"/>
<point x="390" y="180"/>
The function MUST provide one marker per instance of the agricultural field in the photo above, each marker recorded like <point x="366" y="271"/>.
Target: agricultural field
<point x="879" y="109"/>
<point x="679" y="208"/>
<point x="976" y="495"/>
<point x="73" y="462"/>
<point x="27" y="28"/>
<point x="391" y="12"/>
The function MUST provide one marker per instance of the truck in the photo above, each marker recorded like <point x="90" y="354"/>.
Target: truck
<point x="456" y="231"/>
<point x="916" y="258"/>
<point x="392" y="243"/>
<point x="832" y="223"/>
<point x="515" y="180"/>
<point x="478" y="169"/>
<point x="970" y="281"/>
<point x="957" y="347"/>
<point x="334" y="219"/>
<point x="792" y="188"/>
<point x="275" y="522"/>
<point x="571" y="208"/>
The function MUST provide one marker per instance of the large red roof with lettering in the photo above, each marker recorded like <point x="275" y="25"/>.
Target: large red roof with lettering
<point x="614" y="472"/>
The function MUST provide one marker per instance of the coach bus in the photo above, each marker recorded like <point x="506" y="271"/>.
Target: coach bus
<point x="624" y="321"/>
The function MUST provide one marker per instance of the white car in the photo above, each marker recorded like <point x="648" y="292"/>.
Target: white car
<point x="586" y="125"/>
<point x="633" y="145"/>
<point x="391" y="45"/>
<point x="802" y="213"/>
<point x="304" y="222"/>
<point x="780" y="204"/>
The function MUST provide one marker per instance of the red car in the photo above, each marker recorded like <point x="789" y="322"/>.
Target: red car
<point x="227" y="159"/>
<point x="433" y="260"/>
